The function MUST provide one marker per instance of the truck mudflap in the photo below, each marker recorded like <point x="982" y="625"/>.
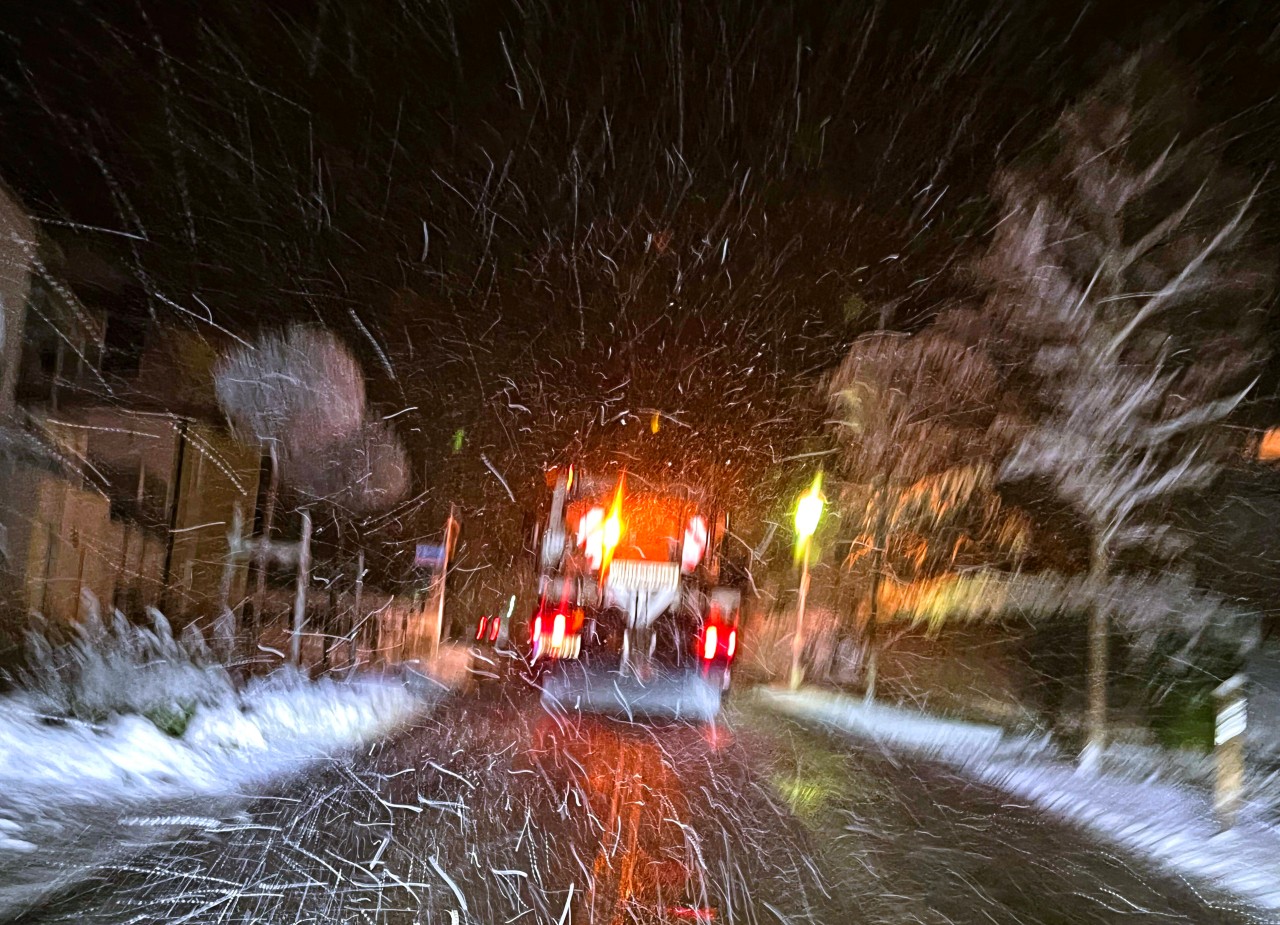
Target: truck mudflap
<point x="687" y="695"/>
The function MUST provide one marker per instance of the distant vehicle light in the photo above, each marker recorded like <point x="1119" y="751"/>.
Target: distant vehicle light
<point x="732" y="645"/>
<point x="481" y="628"/>
<point x="709" y="639"/>
<point x="537" y="627"/>
<point x="493" y="631"/>
<point x="557" y="631"/>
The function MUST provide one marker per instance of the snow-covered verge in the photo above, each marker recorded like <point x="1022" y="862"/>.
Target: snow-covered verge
<point x="75" y="796"/>
<point x="119" y="735"/>
<point x="893" y="726"/>
<point x="271" y="727"/>
<point x="116" y="710"/>
<point x="1170" y="824"/>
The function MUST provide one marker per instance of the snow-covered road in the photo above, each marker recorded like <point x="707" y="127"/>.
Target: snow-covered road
<point x="490" y="810"/>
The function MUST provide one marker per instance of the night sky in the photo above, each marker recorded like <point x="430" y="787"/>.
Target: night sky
<point x="542" y="223"/>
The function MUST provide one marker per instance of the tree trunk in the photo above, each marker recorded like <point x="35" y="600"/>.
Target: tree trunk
<point x="330" y="623"/>
<point x="1099" y="637"/>
<point x="357" y="621"/>
<point x="871" y="658"/>
<point x="871" y="655"/>
<point x="268" y="520"/>
<point x="300" y="595"/>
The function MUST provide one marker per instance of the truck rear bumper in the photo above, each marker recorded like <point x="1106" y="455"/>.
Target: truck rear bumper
<point x="687" y="695"/>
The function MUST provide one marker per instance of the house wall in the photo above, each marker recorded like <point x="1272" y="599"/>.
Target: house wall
<point x="217" y="474"/>
<point x="65" y="538"/>
<point x="17" y="243"/>
<point x="72" y="545"/>
<point x="135" y="528"/>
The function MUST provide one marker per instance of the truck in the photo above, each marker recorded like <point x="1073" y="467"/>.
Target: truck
<point x="633" y="613"/>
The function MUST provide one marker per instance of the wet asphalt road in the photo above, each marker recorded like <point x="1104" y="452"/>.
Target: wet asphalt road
<point x="492" y="811"/>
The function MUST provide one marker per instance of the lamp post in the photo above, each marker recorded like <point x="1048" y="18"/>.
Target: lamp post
<point x="808" y="513"/>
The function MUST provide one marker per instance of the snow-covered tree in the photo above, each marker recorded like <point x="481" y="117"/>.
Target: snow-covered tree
<point x="292" y="390"/>
<point x="916" y="468"/>
<point x="362" y="474"/>
<point x="1121" y="269"/>
<point x="301" y="395"/>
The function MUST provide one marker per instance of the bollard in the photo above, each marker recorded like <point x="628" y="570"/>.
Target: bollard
<point x="1228" y="749"/>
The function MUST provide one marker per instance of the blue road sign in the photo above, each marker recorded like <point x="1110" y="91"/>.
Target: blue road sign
<point x="428" y="555"/>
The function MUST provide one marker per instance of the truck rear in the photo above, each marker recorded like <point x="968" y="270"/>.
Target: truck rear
<point x="632" y="617"/>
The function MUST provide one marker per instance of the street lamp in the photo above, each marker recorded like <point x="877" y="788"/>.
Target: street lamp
<point x="808" y="513"/>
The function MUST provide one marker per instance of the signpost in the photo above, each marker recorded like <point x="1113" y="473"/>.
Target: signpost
<point x="266" y="550"/>
<point x="1228" y="749"/>
<point x="435" y="557"/>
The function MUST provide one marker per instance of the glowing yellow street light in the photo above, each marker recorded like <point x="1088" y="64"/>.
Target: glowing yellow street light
<point x="808" y="513"/>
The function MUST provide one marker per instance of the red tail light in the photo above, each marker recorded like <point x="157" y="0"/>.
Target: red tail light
<point x="710" y="637"/>
<point x="481" y="628"/>
<point x="693" y="913"/>
<point x="493" y="630"/>
<point x="557" y="630"/>
<point x="732" y="645"/>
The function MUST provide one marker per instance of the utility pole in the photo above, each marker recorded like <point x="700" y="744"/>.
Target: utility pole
<point x="450" y="528"/>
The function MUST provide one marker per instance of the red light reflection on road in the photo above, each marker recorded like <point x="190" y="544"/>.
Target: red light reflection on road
<point x="647" y="865"/>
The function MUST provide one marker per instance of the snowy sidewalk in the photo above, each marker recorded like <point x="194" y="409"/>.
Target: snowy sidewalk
<point x="269" y="730"/>
<point x="74" y="796"/>
<point x="1172" y="825"/>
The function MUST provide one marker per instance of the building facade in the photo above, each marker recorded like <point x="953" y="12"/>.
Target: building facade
<point x="114" y="487"/>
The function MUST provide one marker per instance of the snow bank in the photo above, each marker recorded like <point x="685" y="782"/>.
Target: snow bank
<point x="270" y="728"/>
<point x="933" y="737"/>
<point x="1168" y="823"/>
<point x="119" y="711"/>
<point x="118" y="667"/>
<point x="124" y="735"/>
<point x="75" y="796"/>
